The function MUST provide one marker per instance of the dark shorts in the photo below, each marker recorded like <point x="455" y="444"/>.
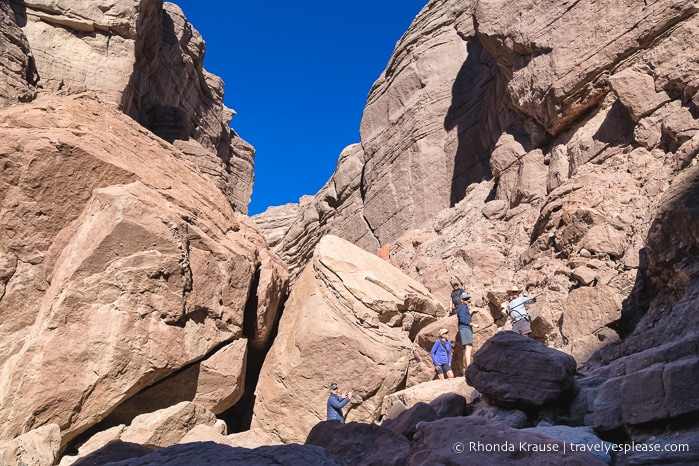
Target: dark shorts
<point x="466" y="335"/>
<point x="443" y="368"/>
<point x="522" y="327"/>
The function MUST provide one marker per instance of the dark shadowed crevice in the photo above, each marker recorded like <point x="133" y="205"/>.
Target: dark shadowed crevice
<point x="473" y="112"/>
<point x="239" y="416"/>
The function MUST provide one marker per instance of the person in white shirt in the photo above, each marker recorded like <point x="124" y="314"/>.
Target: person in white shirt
<point x="517" y="310"/>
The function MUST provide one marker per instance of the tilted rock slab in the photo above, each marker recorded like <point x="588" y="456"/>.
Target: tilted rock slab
<point x="144" y="56"/>
<point x="515" y="371"/>
<point x="166" y="427"/>
<point x="120" y="264"/>
<point x="350" y="319"/>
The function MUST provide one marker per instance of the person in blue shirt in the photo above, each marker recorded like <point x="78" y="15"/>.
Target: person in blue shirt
<point x="441" y="355"/>
<point x="517" y="310"/>
<point x="465" y="328"/>
<point x="336" y="403"/>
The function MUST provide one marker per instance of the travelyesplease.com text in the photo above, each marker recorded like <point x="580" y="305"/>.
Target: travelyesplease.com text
<point x="597" y="447"/>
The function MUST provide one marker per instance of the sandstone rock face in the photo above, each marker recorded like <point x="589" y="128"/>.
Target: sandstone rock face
<point x="554" y="79"/>
<point x="515" y="371"/>
<point x="293" y="230"/>
<point x="648" y="386"/>
<point x="17" y="72"/>
<point x="120" y="265"/>
<point x="379" y="445"/>
<point x="37" y="447"/>
<point x="145" y="57"/>
<point x="350" y="318"/>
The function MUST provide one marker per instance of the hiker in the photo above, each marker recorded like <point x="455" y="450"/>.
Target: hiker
<point x="517" y="310"/>
<point x="465" y="328"/>
<point x="441" y="355"/>
<point x="336" y="403"/>
<point x="456" y="293"/>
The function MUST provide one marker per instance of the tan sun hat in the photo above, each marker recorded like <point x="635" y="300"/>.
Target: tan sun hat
<point x="443" y="331"/>
<point x="514" y="289"/>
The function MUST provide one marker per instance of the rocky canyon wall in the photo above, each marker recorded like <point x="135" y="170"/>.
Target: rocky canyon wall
<point x="144" y="56"/>
<point x="520" y="143"/>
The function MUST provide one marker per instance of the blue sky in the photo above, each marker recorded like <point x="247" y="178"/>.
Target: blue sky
<point x="298" y="75"/>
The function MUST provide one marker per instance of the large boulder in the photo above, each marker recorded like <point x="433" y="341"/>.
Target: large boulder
<point x="252" y="438"/>
<point x="350" y="318"/>
<point x="406" y="422"/>
<point x="378" y="444"/>
<point x="120" y="264"/>
<point x="515" y="371"/>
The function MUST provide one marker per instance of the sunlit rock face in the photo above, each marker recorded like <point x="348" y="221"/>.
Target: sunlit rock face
<point x="120" y="265"/>
<point x="351" y="317"/>
<point x="144" y="56"/>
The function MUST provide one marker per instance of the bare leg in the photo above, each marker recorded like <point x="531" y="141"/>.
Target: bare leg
<point x="467" y="356"/>
<point x="450" y="374"/>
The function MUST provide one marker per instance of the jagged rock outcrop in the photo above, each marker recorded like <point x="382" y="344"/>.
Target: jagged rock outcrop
<point x="17" y="72"/>
<point x="120" y="265"/>
<point x="144" y="56"/>
<point x="350" y="318"/>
